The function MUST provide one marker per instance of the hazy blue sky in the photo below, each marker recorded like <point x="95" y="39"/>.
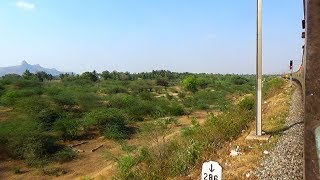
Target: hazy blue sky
<point x="216" y="36"/>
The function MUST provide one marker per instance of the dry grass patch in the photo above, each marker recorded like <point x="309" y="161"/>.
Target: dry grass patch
<point x="242" y="166"/>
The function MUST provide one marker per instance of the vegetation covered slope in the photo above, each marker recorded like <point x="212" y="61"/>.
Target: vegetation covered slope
<point x="39" y="113"/>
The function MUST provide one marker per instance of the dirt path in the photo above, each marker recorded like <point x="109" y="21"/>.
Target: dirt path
<point x="183" y="121"/>
<point x="93" y="164"/>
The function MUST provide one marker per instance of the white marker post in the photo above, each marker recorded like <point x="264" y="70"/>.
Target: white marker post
<point x="211" y="171"/>
<point x="259" y="69"/>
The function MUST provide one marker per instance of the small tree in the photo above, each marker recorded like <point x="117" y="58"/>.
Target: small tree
<point x="106" y="75"/>
<point x="190" y="83"/>
<point x="42" y="76"/>
<point x="92" y="76"/>
<point x="202" y="82"/>
<point x="27" y="74"/>
<point x="162" y="82"/>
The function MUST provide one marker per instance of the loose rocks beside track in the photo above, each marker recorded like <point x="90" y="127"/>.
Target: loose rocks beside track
<point x="285" y="161"/>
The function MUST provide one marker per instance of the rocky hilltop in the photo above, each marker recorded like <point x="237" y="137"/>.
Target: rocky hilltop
<point x="20" y="69"/>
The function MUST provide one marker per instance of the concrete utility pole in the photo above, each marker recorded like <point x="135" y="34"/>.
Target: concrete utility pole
<point x="259" y="69"/>
<point x="291" y="70"/>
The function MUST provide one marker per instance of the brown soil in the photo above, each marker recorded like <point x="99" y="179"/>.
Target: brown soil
<point x="99" y="164"/>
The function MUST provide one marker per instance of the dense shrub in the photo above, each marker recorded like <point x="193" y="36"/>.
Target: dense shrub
<point x="20" y="83"/>
<point x="116" y="90"/>
<point x="111" y="122"/>
<point x="104" y="117"/>
<point x="24" y="139"/>
<point x="146" y="96"/>
<point x="64" y="98"/>
<point x="2" y="89"/>
<point x="9" y="98"/>
<point x="162" y="82"/>
<point x="52" y="89"/>
<point x="176" y="110"/>
<point x="92" y="76"/>
<point x="77" y="104"/>
<point x="87" y="100"/>
<point x="47" y="116"/>
<point x="202" y="105"/>
<point x="190" y="83"/>
<point x="202" y="82"/>
<point x="65" y="155"/>
<point x="117" y="132"/>
<point x="120" y="101"/>
<point x="68" y="128"/>
<point x="239" y="80"/>
<point x="141" y="86"/>
<point x="247" y="103"/>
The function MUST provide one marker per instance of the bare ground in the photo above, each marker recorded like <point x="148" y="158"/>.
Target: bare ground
<point x="98" y="164"/>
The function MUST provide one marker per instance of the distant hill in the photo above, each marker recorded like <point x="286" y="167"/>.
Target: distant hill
<point x="20" y="69"/>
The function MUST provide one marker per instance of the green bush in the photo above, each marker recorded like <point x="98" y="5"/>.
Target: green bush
<point x="146" y="96"/>
<point x="24" y="139"/>
<point x="9" y="98"/>
<point x="114" y="131"/>
<point x="52" y="89"/>
<point x="239" y="80"/>
<point x="64" y="98"/>
<point x="162" y="82"/>
<point x="68" y="128"/>
<point x="202" y="82"/>
<point x="176" y="110"/>
<point x="141" y="108"/>
<point x="111" y="122"/>
<point x="141" y="86"/>
<point x="116" y="90"/>
<point x="35" y="106"/>
<point x="91" y="76"/>
<point x="247" y="103"/>
<point x="104" y="117"/>
<point x="190" y="83"/>
<point x="88" y="100"/>
<point x="2" y="89"/>
<point x="30" y="91"/>
<point x="125" y="163"/>
<point x="120" y="101"/>
<point x="65" y="155"/>
<point x="23" y="83"/>
<point x="48" y="116"/>
<point x="202" y="105"/>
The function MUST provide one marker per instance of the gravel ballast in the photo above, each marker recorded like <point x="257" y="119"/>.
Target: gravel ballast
<point x="285" y="161"/>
